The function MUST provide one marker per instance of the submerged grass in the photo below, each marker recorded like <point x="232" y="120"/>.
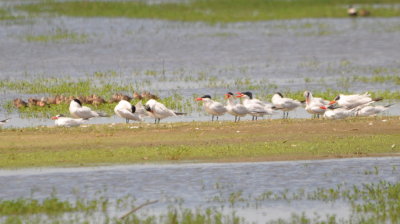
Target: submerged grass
<point x="210" y="10"/>
<point x="6" y="15"/>
<point x="51" y="206"/>
<point x="378" y="79"/>
<point x="68" y="86"/>
<point x="198" y="141"/>
<point x="59" y="35"/>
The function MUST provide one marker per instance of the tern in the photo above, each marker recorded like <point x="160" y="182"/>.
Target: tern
<point x="212" y="107"/>
<point x="78" y="111"/>
<point x="353" y="101"/>
<point x="61" y="120"/>
<point x="158" y="110"/>
<point x="238" y="110"/>
<point x="337" y="113"/>
<point x="371" y="110"/>
<point x="256" y="107"/>
<point x="284" y="104"/>
<point x="2" y="122"/>
<point x="314" y="104"/>
<point x="126" y="110"/>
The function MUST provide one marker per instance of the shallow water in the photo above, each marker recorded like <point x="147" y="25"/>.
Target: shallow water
<point x="198" y="184"/>
<point x="288" y="55"/>
<point x="294" y="55"/>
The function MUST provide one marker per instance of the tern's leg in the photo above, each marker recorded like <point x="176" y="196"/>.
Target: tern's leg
<point x="212" y="118"/>
<point x="155" y="121"/>
<point x="127" y="120"/>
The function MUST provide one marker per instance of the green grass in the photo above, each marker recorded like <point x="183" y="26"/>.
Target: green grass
<point x="211" y="10"/>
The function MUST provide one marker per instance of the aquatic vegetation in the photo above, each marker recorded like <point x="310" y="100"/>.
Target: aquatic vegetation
<point x="66" y="86"/>
<point x="208" y="10"/>
<point x="6" y="15"/>
<point x="59" y="35"/>
<point x="50" y="205"/>
<point x="367" y="203"/>
<point x="377" y="79"/>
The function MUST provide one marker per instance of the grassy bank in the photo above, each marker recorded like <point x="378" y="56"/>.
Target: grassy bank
<point x="199" y="141"/>
<point x="212" y="10"/>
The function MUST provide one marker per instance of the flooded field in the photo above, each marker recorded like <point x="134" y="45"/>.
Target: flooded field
<point x="191" y="59"/>
<point x="259" y="192"/>
<point x="43" y="55"/>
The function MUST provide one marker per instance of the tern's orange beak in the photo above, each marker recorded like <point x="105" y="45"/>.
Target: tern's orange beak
<point x="332" y="102"/>
<point x="199" y="99"/>
<point x="54" y="118"/>
<point x="323" y="107"/>
<point x="227" y="96"/>
<point x="239" y="94"/>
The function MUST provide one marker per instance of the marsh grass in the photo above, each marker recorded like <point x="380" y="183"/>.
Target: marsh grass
<point x="211" y="11"/>
<point x="59" y="35"/>
<point x="368" y="203"/>
<point x="395" y="79"/>
<point x="51" y="205"/>
<point x="6" y="15"/>
<point x="56" y="86"/>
